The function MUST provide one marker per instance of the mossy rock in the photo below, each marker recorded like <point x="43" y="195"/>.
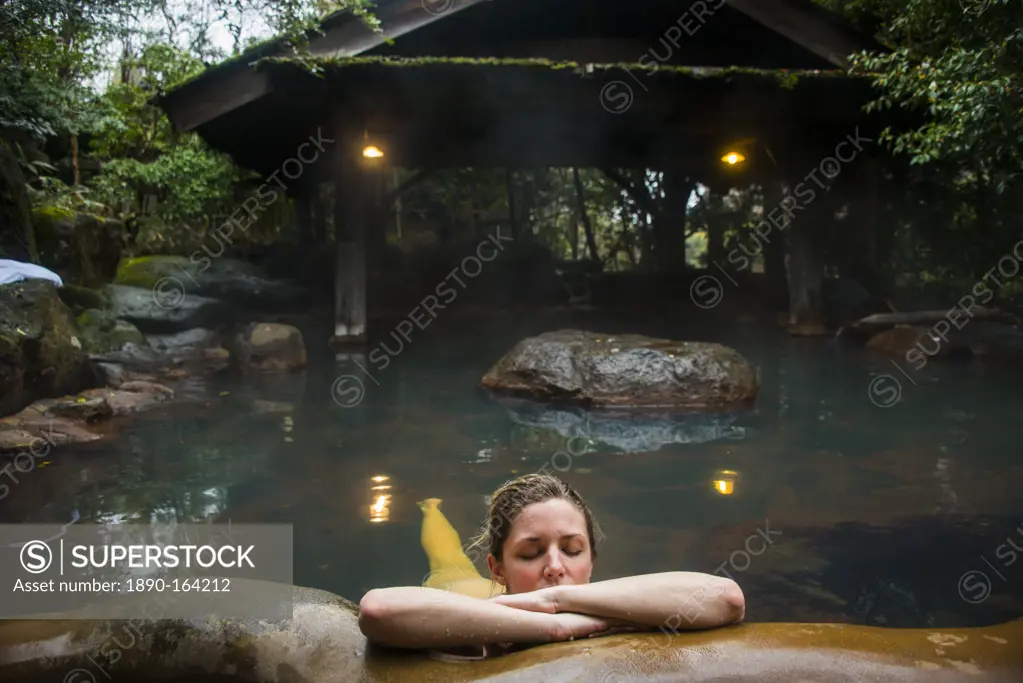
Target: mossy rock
<point x="101" y="332"/>
<point x="147" y="271"/>
<point x="41" y="355"/>
<point x="80" y="298"/>
<point x="48" y="215"/>
<point x="190" y="271"/>
<point x="235" y="282"/>
<point x="82" y="248"/>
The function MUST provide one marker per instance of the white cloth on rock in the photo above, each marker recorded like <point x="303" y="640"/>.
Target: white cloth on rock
<point x="15" y="271"/>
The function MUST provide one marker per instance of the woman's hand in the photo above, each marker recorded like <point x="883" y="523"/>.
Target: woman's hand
<point x="569" y="626"/>
<point x="542" y="600"/>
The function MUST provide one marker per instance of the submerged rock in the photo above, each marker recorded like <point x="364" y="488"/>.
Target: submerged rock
<point x="35" y="432"/>
<point x="270" y="347"/>
<point x="66" y="420"/>
<point x="595" y="369"/>
<point x="132" y="396"/>
<point x="41" y="355"/>
<point x="320" y="642"/>
<point x="901" y="340"/>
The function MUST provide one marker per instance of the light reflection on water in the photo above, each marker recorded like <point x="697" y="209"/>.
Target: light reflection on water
<point x="878" y="512"/>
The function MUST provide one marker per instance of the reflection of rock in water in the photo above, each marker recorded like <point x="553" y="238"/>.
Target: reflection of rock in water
<point x="948" y="500"/>
<point x="631" y="432"/>
<point x="879" y="598"/>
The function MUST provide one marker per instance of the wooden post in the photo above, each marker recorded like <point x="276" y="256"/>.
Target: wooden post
<point x="806" y="270"/>
<point x="398" y="208"/>
<point x="321" y="207"/>
<point x="376" y="224"/>
<point x="774" y="250"/>
<point x="350" y="217"/>
<point x="304" y="216"/>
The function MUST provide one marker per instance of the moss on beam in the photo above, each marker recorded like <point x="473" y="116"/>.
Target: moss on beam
<point x="319" y="66"/>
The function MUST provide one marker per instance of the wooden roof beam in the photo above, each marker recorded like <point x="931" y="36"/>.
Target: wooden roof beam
<point x="235" y="83"/>
<point x="808" y="25"/>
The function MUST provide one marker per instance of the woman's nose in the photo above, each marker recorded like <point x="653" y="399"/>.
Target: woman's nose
<point x="554" y="566"/>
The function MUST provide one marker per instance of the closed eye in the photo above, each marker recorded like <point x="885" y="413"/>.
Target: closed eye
<point x="570" y="553"/>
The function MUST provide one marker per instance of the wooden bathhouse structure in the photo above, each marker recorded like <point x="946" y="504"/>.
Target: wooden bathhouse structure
<point x="673" y="86"/>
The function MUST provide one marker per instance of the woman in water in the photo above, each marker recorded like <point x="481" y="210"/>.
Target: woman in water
<point x="540" y="539"/>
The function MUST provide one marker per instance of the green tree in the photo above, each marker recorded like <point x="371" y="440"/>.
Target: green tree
<point x="959" y="63"/>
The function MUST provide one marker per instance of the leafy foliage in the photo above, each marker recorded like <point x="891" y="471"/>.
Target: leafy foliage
<point x="959" y="63"/>
<point x="55" y="51"/>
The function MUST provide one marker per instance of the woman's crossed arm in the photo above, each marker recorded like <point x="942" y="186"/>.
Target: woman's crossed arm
<point x="414" y="617"/>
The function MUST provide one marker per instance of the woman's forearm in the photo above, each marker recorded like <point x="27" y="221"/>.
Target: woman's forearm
<point x="671" y="600"/>
<point x="415" y="617"/>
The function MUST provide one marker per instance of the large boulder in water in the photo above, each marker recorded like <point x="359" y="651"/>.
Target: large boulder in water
<point x="41" y="355"/>
<point x="630" y="370"/>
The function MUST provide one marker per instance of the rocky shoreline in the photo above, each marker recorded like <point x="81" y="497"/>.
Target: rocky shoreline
<point x="75" y="358"/>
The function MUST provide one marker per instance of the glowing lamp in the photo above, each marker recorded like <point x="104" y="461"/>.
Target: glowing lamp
<point x="372" y="152"/>
<point x="733" y="158"/>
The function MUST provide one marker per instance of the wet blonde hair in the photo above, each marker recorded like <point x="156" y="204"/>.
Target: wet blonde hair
<point x="508" y="501"/>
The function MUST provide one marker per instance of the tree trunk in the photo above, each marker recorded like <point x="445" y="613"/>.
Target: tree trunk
<point x="513" y="218"/>
<point x="580" y="200"/>
<point x="77" y="174"/>
<point x="646" y="237"/>
<point x="715" y="231"/>
<point x="573" y="230"/>
<point x="16" y="232"/>
<point x="670" y="225"/>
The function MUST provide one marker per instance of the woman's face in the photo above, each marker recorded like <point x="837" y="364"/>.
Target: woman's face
<point x="548" y="546"/>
